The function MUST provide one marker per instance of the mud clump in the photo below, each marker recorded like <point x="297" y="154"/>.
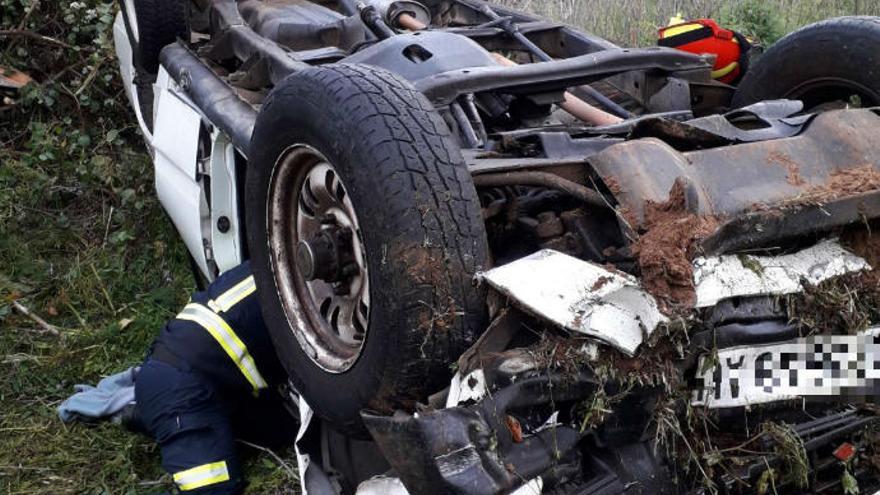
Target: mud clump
<point x="664" y="251"/>
<point x="600" y="282"/>
<point x="864" y="241"/>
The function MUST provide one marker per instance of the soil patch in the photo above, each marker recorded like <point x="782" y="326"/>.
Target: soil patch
<point x="665" y="250"/>
<point x="865" y="242"/>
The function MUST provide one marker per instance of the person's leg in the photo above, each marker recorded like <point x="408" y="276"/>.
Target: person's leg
<point x="264" y="421"/>
<point x="192" y="426"/>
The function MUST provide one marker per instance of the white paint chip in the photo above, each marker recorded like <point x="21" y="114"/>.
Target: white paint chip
<point x="471" y="388"/>
<point x="580" y="296"/>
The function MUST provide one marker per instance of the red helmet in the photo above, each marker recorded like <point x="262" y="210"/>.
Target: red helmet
<point x="705" y="36"/>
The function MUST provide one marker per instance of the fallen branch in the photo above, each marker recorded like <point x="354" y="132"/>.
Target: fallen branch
<point x="39" y="321"/>
<point x="289" y="470"/>
<point x="20" y="33"/>
<point x="19" y="358"/>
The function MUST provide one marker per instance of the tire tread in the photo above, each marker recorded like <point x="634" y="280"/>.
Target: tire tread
<point x="427" y="193"/>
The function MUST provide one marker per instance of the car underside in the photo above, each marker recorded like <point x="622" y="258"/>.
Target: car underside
<point x="501" y="255"/>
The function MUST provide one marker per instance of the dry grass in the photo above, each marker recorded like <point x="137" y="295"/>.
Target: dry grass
<point x="634" y="22"/>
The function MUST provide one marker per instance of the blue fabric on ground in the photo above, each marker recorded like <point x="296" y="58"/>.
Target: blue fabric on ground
<point x="103" y="401"/>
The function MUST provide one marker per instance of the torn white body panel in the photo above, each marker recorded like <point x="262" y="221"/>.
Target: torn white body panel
<point x="303" y="459"/>
<point x="470" y="388"/>
<point x="818" y="366"/>
<point x="533" y="487"/>
<point x="382" y="485"/>
<point x="580" y="296"/>
<point x="721" y="277"/>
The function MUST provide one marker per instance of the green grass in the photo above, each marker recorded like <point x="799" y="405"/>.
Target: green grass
<point x="84" y="243"/>
<point x="87" y="247"/>
<point x="108" y="283"/>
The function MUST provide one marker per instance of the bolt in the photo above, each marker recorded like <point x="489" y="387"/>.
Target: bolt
<point x="305" y="260"/>
<point x="223" y="224"/>
<point x="185" y="80"/>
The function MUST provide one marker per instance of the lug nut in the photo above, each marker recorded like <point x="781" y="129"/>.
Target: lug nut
<point x="305" y="260"/>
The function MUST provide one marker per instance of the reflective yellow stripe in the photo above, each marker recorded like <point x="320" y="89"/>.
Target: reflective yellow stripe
<point x="675" y="30"/>
<point x="204" y="475"/>
<point x="228" y="340"/>
<point x="233" y="296"/>
<point x="724" y="70"/>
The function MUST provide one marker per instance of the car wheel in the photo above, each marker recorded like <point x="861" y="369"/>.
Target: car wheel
<point x="828" y="64"/>
<point x="151" y="25"/>
<point x="365" y="233"/>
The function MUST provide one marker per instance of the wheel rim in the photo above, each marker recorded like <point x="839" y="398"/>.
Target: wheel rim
<point x="816" y="93"/>
<point x="312" y="224"/>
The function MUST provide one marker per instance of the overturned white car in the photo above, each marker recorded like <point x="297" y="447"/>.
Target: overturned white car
<point x="501" y="255"/>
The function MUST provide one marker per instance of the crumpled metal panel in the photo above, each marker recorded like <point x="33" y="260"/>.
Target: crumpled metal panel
<point x="730" y="180"/>
<point x="580" y="296"/>
<point x="759" y="122"/>
<point x="462" y="450"/>
<point x="722" y="277"/>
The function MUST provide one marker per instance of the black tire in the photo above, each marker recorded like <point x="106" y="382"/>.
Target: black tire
<point x="159" y="23"/>
<point x="420" y="225"/>
<point x="823" y="63"/>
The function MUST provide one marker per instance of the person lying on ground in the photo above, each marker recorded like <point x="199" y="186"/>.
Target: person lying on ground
<point x="210" y="377"/>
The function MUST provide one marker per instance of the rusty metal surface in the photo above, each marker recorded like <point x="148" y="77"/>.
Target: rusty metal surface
<point x="767" y="228"/>
<point x="731" y="180"/>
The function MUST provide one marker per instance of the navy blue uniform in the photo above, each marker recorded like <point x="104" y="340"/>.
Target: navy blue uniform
<point x="211" y="378"/>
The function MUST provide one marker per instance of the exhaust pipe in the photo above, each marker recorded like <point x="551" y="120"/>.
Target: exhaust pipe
<point x="393" y="12"/>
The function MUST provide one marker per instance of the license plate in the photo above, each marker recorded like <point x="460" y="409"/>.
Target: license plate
<point x="817" y="366"/>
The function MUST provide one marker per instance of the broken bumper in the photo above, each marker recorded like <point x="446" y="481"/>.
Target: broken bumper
<point x="515" y="420"/>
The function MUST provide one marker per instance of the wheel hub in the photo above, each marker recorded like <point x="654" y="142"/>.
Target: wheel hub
<point x="318" y="258"/>
<point x="328" y="256"/>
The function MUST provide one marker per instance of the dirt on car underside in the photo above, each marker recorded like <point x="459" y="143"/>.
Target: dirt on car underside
<point x="767" y="196"/>
<point x="767" y="445"/>
<point x="763" y="446"/>
<point x="672" y="236"/>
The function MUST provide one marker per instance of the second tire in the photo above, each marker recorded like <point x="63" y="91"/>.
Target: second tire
<point x="832" y="62"/>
